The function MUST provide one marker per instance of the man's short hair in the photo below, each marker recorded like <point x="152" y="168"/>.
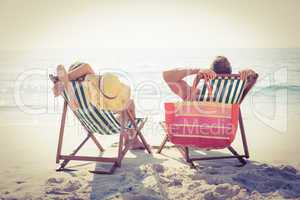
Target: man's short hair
<point x="221" y="65"/>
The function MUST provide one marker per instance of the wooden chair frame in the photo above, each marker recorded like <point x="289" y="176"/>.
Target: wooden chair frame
<point x="184" y="150"/>
<point x="116" y="161"/>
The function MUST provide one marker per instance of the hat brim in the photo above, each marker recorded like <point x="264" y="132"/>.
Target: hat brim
<point x="119" y="102"/>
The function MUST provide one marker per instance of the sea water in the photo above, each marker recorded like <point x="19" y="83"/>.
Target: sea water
<point x="24" y="74"/>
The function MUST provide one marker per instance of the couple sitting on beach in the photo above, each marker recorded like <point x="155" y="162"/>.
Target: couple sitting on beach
<point x="108" y="92"/>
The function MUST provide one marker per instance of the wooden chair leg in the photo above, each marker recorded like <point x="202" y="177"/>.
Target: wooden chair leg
<point x="61" y="132"/>
<point x="96" y="142"/>
<point x="186" y="152"/>
<point x="121" y="152"/>
<point x="239" y="157"/>
<point x="138" y="131"/>
<point x="129" y="143"/>
<point x="241" y="125"/>
<point x="140" y="135"/>
<point x="162" y="145"/>
<point x="66" y="161"/>
<point x="187" y="157"/>
<point x="121" y="141"/>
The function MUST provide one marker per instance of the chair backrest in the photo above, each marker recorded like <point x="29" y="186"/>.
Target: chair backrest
<point x="225" y="89"/>
<point x="94" y="120"/>
<point x="209" y="120"/>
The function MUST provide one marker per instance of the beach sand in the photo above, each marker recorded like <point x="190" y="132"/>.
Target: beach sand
<point x="28" y="148"/>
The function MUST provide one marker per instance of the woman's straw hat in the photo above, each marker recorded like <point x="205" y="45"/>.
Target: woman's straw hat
<point x="110" y="93"/>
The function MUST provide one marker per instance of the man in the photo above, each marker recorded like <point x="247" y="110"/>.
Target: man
<point x="221" y="65"/>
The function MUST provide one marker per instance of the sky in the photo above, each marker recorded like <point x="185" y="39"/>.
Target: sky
<point x="51" y="24"/>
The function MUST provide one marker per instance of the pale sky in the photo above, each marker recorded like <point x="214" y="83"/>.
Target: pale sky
<point x="40" y="24"/>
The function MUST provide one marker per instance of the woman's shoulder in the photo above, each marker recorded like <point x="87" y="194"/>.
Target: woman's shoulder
<point x="92" y="79"/>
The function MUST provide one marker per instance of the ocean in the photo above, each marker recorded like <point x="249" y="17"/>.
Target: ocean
<point x="25" y="86"/>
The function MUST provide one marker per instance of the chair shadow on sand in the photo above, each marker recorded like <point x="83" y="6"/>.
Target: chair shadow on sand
<point x="132" y="180"/>
<point x="253" y="176"/>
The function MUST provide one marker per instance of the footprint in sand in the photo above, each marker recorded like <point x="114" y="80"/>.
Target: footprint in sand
<point x="54" y="180"/>
<point x="175" y="182"/>
<point x="57" y="186"/>
<point x="54" y="190"/>
<point x="228" y="189"/>
<point x="211" y="170"/>
<point x="71" y="186"/>
<point x="139" y="197"/>
<point x="223" y="191"/>
<point x="158" y="168"/>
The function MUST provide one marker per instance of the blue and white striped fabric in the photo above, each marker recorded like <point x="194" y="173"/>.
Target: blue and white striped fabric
<point x="93" y="119"/>
<point x="225" y="89"/>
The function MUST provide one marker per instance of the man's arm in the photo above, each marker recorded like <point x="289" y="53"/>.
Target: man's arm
<point x="174" y="79"/>
<point x="251" y="77"/>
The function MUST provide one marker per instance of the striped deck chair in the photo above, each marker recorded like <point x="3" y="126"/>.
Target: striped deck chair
<point x="209" y="120"/>
<point x="98" y="121"/>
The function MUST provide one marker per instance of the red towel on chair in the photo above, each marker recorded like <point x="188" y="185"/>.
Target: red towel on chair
<point x="207" y="125"/>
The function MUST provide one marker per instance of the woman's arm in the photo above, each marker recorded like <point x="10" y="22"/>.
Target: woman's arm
<point x="81" y="71"/>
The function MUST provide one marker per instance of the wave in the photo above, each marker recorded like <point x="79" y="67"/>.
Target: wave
<point x="28" y="106"/>
<point x="289" y="87"/>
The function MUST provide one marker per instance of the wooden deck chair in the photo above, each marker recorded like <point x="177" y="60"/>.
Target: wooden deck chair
<point x="209" y="120"/>
<point x="98" y="121"/>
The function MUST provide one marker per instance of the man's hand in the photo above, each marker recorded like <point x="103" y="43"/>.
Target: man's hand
<point x="246" y="73"/>
<point x="207" y="74"/>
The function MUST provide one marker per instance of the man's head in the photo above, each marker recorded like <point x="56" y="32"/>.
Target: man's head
<point x="221" y="65"/>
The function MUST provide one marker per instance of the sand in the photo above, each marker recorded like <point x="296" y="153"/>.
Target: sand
<point x="164" y="176"/>
<point x="28" y="165"/>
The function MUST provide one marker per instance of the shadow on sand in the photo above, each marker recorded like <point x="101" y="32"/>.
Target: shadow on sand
<point x="132" y="180"/>
<point x="254" y="176"/>
<point x="129" y="181"/>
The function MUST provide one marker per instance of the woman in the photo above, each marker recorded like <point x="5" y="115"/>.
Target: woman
<point x="221" y="65"/>
<point x="103" y="91"/>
